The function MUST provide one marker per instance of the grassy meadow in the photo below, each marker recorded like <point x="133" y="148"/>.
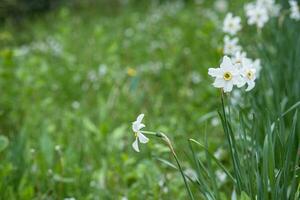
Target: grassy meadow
<point x="75" y="78"/>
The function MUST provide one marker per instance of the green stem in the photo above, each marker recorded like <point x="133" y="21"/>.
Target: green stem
<point x="168" y="142"/>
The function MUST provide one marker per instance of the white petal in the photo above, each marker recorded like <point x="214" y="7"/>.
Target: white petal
<point x="141" y="126"/>
<point x="226" y="62"/>
<point x="240" y="82"/>
<point x="135" y="126"/>
<point x="251" y="85"/>
<point x="228" y="86"/>
<point x="219" y="83"/>
<point x="142" y="138"/>
<point x="135" y="145"/>
<point x="140" y="118"/>
<point x="215" y="72"/>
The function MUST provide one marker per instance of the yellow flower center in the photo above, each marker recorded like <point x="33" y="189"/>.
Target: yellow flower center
<point x="250" y="74"/>
<point x="227" y="76"/>
<point x="131" y="72"/>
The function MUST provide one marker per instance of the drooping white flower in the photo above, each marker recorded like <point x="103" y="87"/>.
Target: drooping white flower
<point x="231" y="24"/>
<point x="139" y="137"/>
<point x="295" y="10"/>
<point x="227" y="75"/>
<point x="256" y="14"/>
<point x="231" y="46"/>
<point x="248" y="73"/>
<point x="238" y="57"/>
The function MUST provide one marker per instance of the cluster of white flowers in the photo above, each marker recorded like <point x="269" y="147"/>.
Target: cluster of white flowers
<point x="236" y="69"/>
<point x="260" y="11"/>
<point x="231" y="74"/>
<point x="295" y="10"/>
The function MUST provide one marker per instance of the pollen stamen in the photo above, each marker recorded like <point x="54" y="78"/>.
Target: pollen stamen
<point x="227" y="76"/>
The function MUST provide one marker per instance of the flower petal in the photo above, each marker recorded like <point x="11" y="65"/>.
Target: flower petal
<point x="135" y="126"/>
<point x="215" y="72"/>
<point x="251" y="85"/>
<point x="219" y="83"/>
<point x="228" y="86"/>
<point x="142" y="138"/>
<point x="141" y="126"/>
<point x="135" y="145"/>
<point x="140" y="118"/>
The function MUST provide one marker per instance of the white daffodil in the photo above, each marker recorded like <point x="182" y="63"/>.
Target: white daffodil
<point x="231" y="46"/>
<point x="136" y="127"/>
<point x="227" y="75"/>
<point x="238" y="57"/>
<point x="248" y="73"/>
<point x="295" y="10"/>
<point x="231" y="24"/>
<point x="257" y="14"/>
<point x="271" y="6"/>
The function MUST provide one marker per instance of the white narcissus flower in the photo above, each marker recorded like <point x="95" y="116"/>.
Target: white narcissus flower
<point x="139" y="137"/>
<point x="257" y="15"/>
<point x="231" y="46"/>
<point x="227" y="75"/>
<point x="272" y="8"/>
<point x="238" y="57"/>
<point x="231" y="24"/>
<point x="248" y="73"/>
<point x="295" y="10"/>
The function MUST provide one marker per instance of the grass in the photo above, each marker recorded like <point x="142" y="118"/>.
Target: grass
<point x="73" y="80"/>
<point x="152" y="60"/>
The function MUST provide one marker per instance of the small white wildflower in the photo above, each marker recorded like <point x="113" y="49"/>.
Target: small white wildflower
<point x="221" y="175"/>
<point x="57" y="148"/>
<point x="221" y="5"/>
<point x="231" y="46"/>
<point x="231" y="24"/>
<point x="257" y="15"/>
<point x="227" y="75"/>
<point x="124" y="198"/>
<point x="75" y="104"/>
<point x="136" y="127"/>
<point x="215" y="121"/>
<point x="295" y="10"/>
<point x="165" y="190"/>
<point x="248" y="73"/>
<point x="196" y="78"/>
<point x="219" y="153"/>
<point x="69" y="198"/>
<point x="32" y="151"/>
<point x="102" y="70"/>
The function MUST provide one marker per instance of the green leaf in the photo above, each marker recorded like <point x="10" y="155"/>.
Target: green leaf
<point x="3" y="142"/>
<point x="244" y="196"/>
